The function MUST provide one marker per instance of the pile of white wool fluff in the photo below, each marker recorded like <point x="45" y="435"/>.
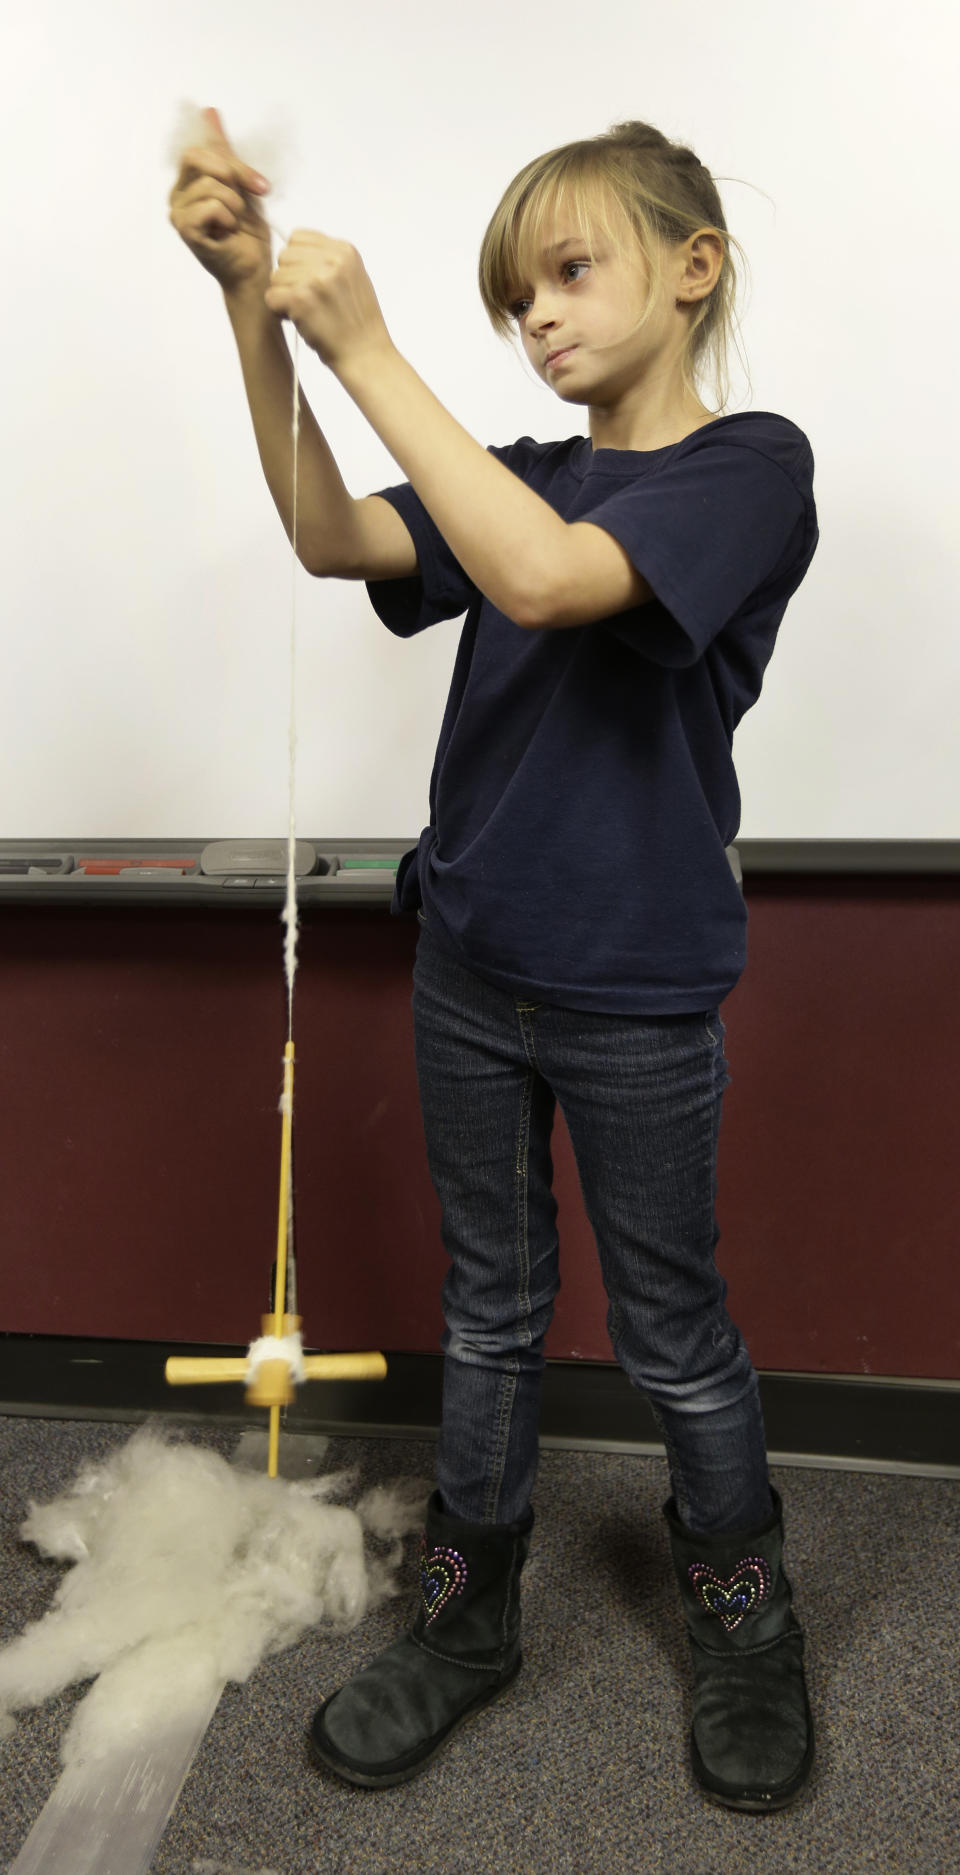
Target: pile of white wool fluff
<point x="187" y="1572"/>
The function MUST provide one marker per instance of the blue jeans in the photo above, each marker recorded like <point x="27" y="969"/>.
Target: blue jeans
<point x="641" y="1096"/>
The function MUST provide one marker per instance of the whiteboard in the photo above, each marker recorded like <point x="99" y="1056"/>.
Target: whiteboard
<point x="147" y="581"/>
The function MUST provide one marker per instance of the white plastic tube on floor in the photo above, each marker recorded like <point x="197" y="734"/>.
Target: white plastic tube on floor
<point x="107" y="1819"/>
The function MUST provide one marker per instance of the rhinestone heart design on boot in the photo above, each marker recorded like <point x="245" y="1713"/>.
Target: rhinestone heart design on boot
<point x="733" y="1597"/>
<point x="443" y="1574"/>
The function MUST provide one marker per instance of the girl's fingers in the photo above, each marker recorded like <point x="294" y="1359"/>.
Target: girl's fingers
<point x="199" y="162"/>
<point x="204" y="217"/>
<point x="206" y="189"/>
<point x="212" y="116"/>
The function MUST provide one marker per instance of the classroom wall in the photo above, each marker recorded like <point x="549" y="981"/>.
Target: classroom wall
<point x="141" y="1069"/>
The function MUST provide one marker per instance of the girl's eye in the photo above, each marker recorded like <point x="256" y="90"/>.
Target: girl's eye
<point x="519" y="304"/>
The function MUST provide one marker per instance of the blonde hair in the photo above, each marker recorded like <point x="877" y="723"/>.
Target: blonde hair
<point x="640" y="190"/>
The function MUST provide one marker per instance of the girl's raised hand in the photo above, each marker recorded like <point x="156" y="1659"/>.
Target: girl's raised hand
<point x="323" y="287"/>
<point x="214" y="208"/>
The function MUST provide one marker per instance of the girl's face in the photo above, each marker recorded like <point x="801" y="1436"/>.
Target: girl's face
<point x="583" y="305"/>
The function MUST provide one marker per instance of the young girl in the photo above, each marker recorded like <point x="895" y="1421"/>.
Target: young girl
<point x="580" y="920"/>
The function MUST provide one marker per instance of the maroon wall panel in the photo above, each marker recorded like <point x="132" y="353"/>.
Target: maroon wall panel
<point x="141" y="1065"/>
<point x="839" y="1173"/>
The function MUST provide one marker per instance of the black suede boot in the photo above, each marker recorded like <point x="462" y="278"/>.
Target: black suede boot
<point x="387" y="1723"/>
<point x="752" y="1737"/>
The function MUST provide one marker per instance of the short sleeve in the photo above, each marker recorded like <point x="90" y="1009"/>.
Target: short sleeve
<point x="708" y="532"/>
<point x="441" y="589"/>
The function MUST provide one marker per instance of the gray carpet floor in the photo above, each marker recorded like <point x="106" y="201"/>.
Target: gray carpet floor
<point x="581" y="1768"/>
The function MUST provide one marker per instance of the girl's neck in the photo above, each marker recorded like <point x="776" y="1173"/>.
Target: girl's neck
<point x="651" y="415"/>
<point x="646" y="430"/>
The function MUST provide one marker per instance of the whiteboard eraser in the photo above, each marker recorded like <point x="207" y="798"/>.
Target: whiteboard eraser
<point x="253" y="856"/>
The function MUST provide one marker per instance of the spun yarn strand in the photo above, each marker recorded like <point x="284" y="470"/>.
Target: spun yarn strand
<point x="290" y="908"/>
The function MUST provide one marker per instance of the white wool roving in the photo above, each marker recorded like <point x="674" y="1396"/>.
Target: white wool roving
<point x="187" y="1572"/>
<point x="287" y="1348"/>
<point x="270" y="149"/>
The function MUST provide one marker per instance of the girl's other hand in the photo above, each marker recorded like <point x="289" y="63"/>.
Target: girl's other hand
<point x="214" y="208"/>
<point x="323" y="286"/>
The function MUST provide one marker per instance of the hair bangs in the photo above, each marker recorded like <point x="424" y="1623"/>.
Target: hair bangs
<point x="569" y="196"/>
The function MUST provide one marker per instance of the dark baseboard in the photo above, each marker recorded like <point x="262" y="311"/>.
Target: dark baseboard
<point x="869" y="1421"/>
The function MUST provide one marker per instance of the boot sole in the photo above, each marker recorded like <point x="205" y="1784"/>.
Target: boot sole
<point x="759" y="1803"/>
<point x="380" y="1780"/>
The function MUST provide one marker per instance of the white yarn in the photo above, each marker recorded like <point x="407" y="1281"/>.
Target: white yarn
<point x="191" y="129"/>
<point x="275" y="1348"/>
<point x="261" y="151"/>
<point x="289" y="913"/>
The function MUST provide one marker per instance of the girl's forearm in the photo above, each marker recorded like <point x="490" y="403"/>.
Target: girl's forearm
<point x="505" y="536"/>
<point x="325" y="507"/>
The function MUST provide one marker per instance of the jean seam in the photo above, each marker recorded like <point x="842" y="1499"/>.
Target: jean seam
<point x="508" y="1391"/>
<point x="522" y="1178"/>
<point x="674" y="1464"/>
<point x="508" y="1394"/>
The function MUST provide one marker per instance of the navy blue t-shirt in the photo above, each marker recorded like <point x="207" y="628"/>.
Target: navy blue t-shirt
<point x="583" y="791"/>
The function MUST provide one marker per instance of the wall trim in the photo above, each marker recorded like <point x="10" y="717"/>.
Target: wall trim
<point x="846" y="1421"/>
